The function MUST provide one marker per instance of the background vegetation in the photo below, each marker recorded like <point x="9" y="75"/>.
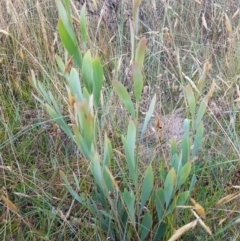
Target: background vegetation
<point x="188" y="42"/>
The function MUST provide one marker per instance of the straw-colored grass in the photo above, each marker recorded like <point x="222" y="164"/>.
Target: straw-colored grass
<point x="188" y="42"/>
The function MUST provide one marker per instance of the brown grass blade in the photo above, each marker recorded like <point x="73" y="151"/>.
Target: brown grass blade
<point x="10" y="204"/>
<point x="183" y="230"/>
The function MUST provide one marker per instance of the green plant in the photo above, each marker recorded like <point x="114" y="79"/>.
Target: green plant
<point x="143" y="208"/>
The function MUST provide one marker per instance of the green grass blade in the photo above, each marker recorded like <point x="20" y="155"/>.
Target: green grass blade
<point x="73" y="193"/>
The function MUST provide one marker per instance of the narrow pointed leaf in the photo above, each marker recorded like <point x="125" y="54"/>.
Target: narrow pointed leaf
<point x="64" y="15"/>
<point x="148" y="115"/>
<point x="97" y="172"/>
<point x="174" y="147"/>
<point x="201" y="111"/>
<point x="129" y="200"/>
<point x="69" y="44"/>
<point x="137" y="81"/>
<point x="75" y="85"/>
<point x="128" y="159"/>
<point x="97" y="80"/>
<point x="183" y="198"/>
<point x="107" y="151"/>
<point x="185" y="150"/>
<point x="159" y="201"/>
<point x="198" y="138"/>
<point x="60" y="63"/>
<point x="131" y="140"/>
<point x="83" y="26"/>
<point x="87" y="72"/>
<point x="59" y="120"/>
<point x="193" y="182"/>
<point x="147" y="187"/>
<point x="140" y="52"/>
<point x="169" y="185"/>
<point x="183" y="174"/>
<point x="191" y="100"/>
<point x="70" y="189"/>
<point x="124" y="97"/>
<point x="176" y="162"/>
<point x="145" y="226"/>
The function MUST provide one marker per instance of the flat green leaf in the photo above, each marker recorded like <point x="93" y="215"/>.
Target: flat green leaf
<point x="183" y="198"/>
<point x="59" y="120"/>
<point x="147" y="187"/>
<point x="136" y="5"/>
<point x="137" y="81"/>
<point x="169" y="185"/>
<point x="172" y="206"/>
<point x="73" y="193"/>
<point x="191" y="100"/>
<point x="201" y="111"/>
<point x="81" y="143"/>
<point x="186" y="127"/>
<point x="176" y="162"/>
<point x="132" y="40"/>
<point x="108" y="178"/>
<point x="55" y="105"/>
<point x="131" y="141"/>
<point x="140" y="52"/>
<point x="69" y="44"/>
<point x="75" y="85"/>
<point x="83" y="26"/>
<point x="85" y="122"/>
<point x="65" y="16"/>
<point x="129" y="199"/>
<point x="87" y="72"/>
<point x="145" y="226"/>
<point x="124" y="97"/>
<point x="130" y="164"/>
<point x="193" y="182"/>
<point x="108" y="152"/>
<point x="198" y="138"/>
<point x="183" y="174"/>
<point x="160" y="231"/>
<point x="60" y="63"/>
<point x="173" y="148"/>
<point x="148" y="115"/>
<point x="43" y="92"/>
<point x="159" y="201"/>
<point x="67" y="6"/>
<point x="185" y="150"/>
<point x="97" y="80"/>
<point x="97" y="173"/>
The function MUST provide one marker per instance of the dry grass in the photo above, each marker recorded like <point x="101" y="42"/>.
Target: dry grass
<point x="194" y="42"/>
